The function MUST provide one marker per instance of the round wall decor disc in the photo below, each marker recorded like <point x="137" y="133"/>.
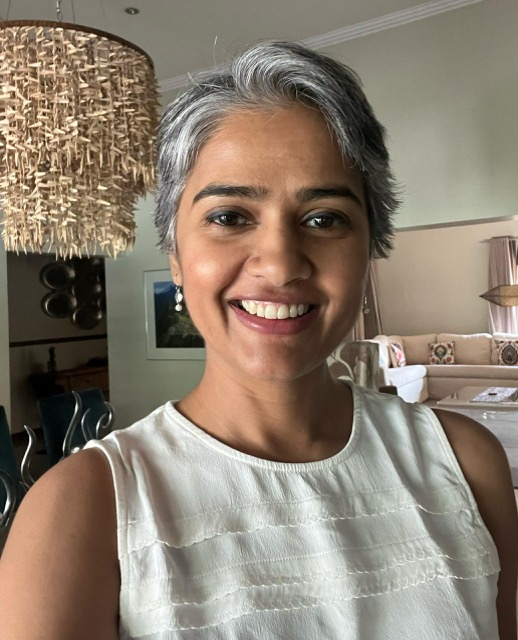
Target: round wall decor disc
<point x="56" y="275"/>
<point x="87" y="316"/>
<point x="59" y="304"/>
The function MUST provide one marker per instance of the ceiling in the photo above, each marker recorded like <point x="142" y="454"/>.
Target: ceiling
<point x="185" y="36"/>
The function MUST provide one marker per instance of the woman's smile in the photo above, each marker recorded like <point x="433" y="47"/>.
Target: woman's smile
<point x="272" y="310"/>
<point x="274" y="318"/>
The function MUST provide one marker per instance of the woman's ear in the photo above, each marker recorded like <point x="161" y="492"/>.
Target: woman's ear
<point x="176" y="272"/>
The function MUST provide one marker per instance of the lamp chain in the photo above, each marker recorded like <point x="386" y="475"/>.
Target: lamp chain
<point x="58" y="11"/>
<point x="8" y="10"/>
<point x="103" y="12"/>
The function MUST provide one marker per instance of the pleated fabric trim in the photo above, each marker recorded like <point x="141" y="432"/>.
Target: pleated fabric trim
<point x="186" y="531"/>
<point x="185" y="593"/>
<point x="287" y="597"/>
<point x="407" y="557"/>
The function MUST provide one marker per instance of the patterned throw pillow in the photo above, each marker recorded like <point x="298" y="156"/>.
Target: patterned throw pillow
<point x="507" y="352"/>
<point x="442" y="353"/>
<point x="397" y="354"/>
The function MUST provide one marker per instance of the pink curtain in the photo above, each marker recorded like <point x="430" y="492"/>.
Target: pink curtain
<point x="503" y="269"/>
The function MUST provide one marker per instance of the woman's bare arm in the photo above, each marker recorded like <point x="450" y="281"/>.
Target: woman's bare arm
<point x="59" y="575"/>
<point x="485" y="466"/>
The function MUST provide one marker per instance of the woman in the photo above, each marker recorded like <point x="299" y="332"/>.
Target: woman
<point x="273" y="501"/>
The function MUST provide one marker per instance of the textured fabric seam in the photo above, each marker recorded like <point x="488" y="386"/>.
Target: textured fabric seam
<point x="471" y="539"/>
<point x="238" y="614"/>
<point x="350" y="496"/>
<point x="316" y="578"/>
<point x="217" y="533"/>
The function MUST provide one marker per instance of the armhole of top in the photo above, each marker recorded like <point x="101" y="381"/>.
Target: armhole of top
<point x="119" y="490"/>
<point x="452" y="458"/>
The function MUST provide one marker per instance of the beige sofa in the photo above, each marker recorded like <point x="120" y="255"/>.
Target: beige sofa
<point x="476" y="364"/>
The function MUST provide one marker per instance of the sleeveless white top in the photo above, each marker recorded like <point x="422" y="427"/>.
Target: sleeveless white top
<point x="382" y="541"/>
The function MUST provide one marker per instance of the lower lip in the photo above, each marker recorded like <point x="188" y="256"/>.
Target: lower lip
<point x="289" y="326"/>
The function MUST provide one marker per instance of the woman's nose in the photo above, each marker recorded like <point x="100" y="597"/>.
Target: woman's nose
<point x="279" y="256"/>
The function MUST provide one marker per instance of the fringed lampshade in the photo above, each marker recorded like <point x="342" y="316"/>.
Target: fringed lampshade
<point x="78" y="113"/>
<point x="505" y="295"/>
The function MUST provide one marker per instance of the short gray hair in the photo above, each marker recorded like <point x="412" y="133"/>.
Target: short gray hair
<point x="277" y="74"/>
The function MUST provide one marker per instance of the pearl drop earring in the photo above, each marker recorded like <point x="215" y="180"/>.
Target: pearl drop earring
<point x="178" y="297"/>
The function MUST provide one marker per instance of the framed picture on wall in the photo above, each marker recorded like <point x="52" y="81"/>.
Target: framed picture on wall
<point x="170" y="334"/>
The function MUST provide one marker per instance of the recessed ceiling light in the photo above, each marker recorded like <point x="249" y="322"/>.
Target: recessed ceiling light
<point x="132" y="11"/>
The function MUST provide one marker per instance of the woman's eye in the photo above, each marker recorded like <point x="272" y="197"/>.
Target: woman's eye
<point x="325" y="220"/>
<point x="227" y="218"/>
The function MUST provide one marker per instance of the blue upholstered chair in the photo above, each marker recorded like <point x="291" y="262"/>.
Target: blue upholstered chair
<point x="11" y="473"/>
<point x="56" y="413"/>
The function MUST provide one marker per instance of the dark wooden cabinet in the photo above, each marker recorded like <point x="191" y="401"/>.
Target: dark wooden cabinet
<point x="84" y="378"/>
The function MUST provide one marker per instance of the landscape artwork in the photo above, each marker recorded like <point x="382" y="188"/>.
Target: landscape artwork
<point x="171" y="334"/>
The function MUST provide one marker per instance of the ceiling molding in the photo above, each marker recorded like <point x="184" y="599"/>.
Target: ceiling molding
<point x="457" y="223"/>
<point x="359" y="30"/>
<point x="389" y="21"/>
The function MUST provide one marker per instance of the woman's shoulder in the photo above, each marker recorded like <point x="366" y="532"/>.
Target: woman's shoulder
<point x="484" y="464"/>
<point x="85" y="473"/>
<point x="63" y="544"/>
<point x="77" y="493"/>
<point x="480" y="454"/>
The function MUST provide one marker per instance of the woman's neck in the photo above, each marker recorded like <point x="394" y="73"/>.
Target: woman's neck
<point x="297" y="421"/>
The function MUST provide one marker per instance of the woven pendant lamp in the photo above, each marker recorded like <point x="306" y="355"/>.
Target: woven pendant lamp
<point x="78" y="113"/>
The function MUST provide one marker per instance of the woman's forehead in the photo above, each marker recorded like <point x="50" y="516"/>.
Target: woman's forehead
<point x="272" y="153"/>
<point x="266" y="141"/>
<point x="273" y="120"/>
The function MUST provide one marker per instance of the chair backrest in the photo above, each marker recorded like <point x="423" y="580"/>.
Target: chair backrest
<point x="56" y="413"/>
<point x="358" y="360"/>
<point x="7" y="459"/>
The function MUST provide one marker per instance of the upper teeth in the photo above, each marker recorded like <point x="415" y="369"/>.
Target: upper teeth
<point x="274" y="311"/>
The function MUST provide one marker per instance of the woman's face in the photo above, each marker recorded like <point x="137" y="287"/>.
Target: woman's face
<point x="273" y="244"/>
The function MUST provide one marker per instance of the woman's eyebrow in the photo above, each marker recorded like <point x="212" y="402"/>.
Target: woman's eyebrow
<point x="240" y="191"/>
<point x="260" y="193"/>
<point x="316" y="193"/>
